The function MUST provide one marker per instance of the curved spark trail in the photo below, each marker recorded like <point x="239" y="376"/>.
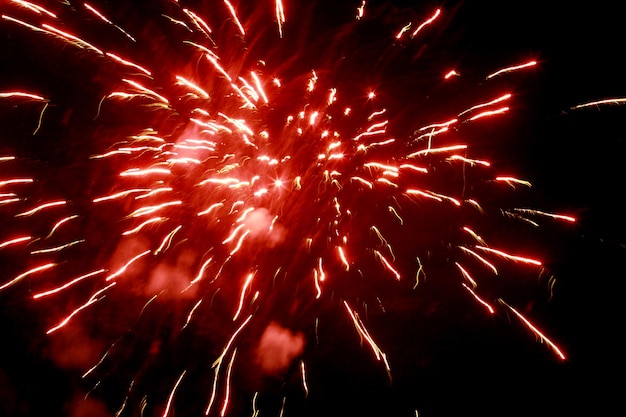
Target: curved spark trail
<point x="203" y="190"/>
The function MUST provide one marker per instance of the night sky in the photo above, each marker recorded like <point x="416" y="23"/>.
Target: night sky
<point x="446" y="359"/>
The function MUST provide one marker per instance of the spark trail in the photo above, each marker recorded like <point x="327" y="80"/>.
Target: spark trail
<point x="201" y="175"/>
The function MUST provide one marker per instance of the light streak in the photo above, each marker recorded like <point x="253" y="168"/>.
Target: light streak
<point x="23" y="275"/>
<point x="480" y="300"/>
<point x="426" y="22"/>
<point x="513" y="68"/>
<point x="487" y="104"/>
<point x="127" y="265"/>
<point x="59" y="224"/>
<point x="74" y="40"/>
<point x="362" y="330"/>
<point x="489" y="113"/>
<point x="93" y="299"/>
<point x="128" y="63"/>
<point x="513" y="180"/>
<point x="305" y="386"/>
<point x="34" y="7"/>
<point x="167" y="241"/>
<point x="142" y="225"/>
<point x="597" y="103"/>
<point x="546" y="214"/>
<point x="244" y="289"/>
<point x="536" y="331"/>
<point x="280" y="16"/>
<point x="16" y="181"/>
<point x="227" y="393"/>
<point x="503" y="254"/>
<point x="41" y="207"/>
<point x="57" y="248"/>
<point x="14" y="241"/>
<point x="388" y="265"/>
<point x="233" y="12"/>
<point x="171" y="396"/>
<point x="68" y="284"/>
<point x="11" y="94"/>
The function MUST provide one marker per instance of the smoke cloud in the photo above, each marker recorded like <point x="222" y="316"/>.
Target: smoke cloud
<point x="278" y="348"/>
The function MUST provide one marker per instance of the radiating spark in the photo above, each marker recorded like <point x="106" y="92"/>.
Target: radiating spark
<point x="41" y="207"/>
<point x="34" y="7"/>
<point x="57" y="248"/>
<point x="68" y="284"/>
<point x="40" y="119"/>
<point x="280" y="16"/>
<point x="442" y="149"/>
<point x="26" y="274"/>
<point x="218" y="362"/>
<point x="388" y="265"/>
<point x="227" y="393"/>
<point x="142" y="225"/>
<point x="481" y="259"/>
<point x="9" y="200"/>
<point x="167" y="241"/>
<point x="120" y="194"/>
<point x="233" y="12"/>
<point x="480" y="300"/>
<point x="125" y="267"/>
<point x="466" y="275"/>
<point x="503" y="254"/>
<point x="426" y="22"/>
<point x="128" y="63"/>
<point x="143" y="211"/>
<point x="403" y="31"/>
<point x="27" y="25"/>
<point x="16" y="181"/>
<point x="244" y="289"/>
<point x="362" y="330"/>
<point x="101" y="16"/>
<point x="14" y="241"/>
<point x="146" y="90"/>
<point x="171" y="397"/>
<point x="487" y="104"/>
<point x="423" y="194"/>
<point x="360" y="11"/>
<point x="199" y="22"/>
<point x="420" y="273"/>
<point x="93" y="299"/>
<point x="11" y="94"/>
<point x="60" y="223"/>
<point x="450" y="74"/>
<point x="71" y="38"/>
<point x="528" y="64"/>
<point x="597" y="103"/>
<point x="259" y="86"/>
<point x="193" y="86"/>
<point x="342" y="256"/>
<point x="154" y="192"/>
<point x="489" y="113"/>
<point x="546" y="214"/>
<point x="191" y="312"/>
<point x="536" y="331"/>
<point x="468" y="160"/>
<point x="125" y="402"/>
<point x="512" y="180"/>
<point x="304" y="383"/>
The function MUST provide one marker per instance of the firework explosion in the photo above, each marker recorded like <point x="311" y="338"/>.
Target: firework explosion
<point x="194" y="194"/>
